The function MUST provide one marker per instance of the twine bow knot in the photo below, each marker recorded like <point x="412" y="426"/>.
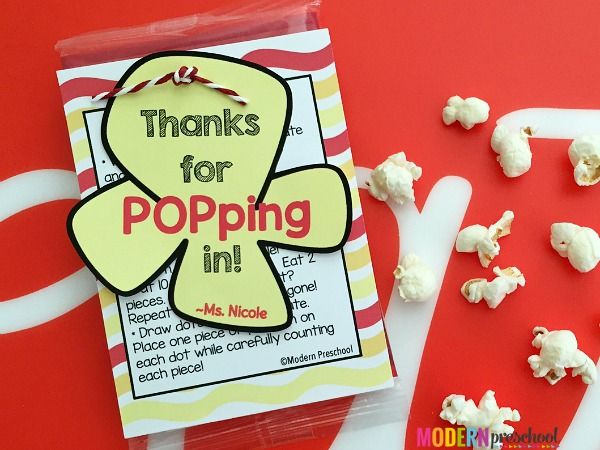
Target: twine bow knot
<point x="185" y="75"/>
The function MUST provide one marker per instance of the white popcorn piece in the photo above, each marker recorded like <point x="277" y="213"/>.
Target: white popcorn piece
<point x="394" y="178"/>
<point x="459" y="411"/>
<point x="469" y="111"/>
<point x="558" y="351"/>
<point x="514" y="153"/>
<point x="584" y="153"/>
<point x="581" y="245"/>
<point x="417" y="281"/>
<point x="484" y="241"/>
<point x="493" y="292"/>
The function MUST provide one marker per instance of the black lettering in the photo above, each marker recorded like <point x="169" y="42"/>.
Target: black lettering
<point x="232" y="124"/>
<point x="222" y="165"/>
<point x="197" y="131"/>
<point x="163" y="120"/>
<point x="251" y="120"/>
<point x="217" y="259"/>
<point x="198" y="171"/>
<point x="216" y="120"/>
<point x="149" y="114"/>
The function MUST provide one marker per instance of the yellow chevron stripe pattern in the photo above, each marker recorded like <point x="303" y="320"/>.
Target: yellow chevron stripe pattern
<point x="363" y="288"/>
<point x="355" y="198"/>
<point x="107" y="298"/>
<point x="374" y="346"/>
<point x="348" y="169"/>
<point x="358" y="258"/>
<point x="123" y="384"/>
<point x="332" y="116"/>
<point x="112" y="325"/>
<point x="327" y="87"/>
<point x="271" y="395"/>
<point x="81" y="150"/>
<point x="75" y="119"/>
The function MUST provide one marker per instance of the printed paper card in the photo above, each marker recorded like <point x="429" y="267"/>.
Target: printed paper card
<point x="226" y="235"/>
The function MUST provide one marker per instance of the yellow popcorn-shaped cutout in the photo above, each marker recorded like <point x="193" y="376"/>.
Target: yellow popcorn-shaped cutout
<point x="200" y="189"/>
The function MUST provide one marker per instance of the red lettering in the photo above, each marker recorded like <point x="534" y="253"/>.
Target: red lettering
<point x="303" y="223"/>
<point x="224" y="224"/>
<point x="231" y="216"/>
<point x="182" y="214"/>
<point x="195" y="216"/>
<point x="128" y="216"/>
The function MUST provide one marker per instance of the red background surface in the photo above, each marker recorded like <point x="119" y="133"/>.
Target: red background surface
<point x="397" y="64"/>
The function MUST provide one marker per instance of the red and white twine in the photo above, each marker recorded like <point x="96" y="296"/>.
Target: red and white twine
<point x="185" y="75"/>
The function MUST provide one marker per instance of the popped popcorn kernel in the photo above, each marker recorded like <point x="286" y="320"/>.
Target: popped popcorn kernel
<point x="394" y="178"/>
<point x="558" y="351"/>
<point x="468" y="112"/>
<point x="580" y="245"/>
<point x="456" y="409"/>
<point x="484" y="241"/>
<point x="584" y="154"/>
<point x="417" y="281"/>
<point x="514" y="153"/>
<point x="495" y="291"/>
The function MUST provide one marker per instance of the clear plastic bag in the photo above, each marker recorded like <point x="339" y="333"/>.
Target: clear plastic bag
<point x="260" y="19"/>
<point x="284" y="426"/>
